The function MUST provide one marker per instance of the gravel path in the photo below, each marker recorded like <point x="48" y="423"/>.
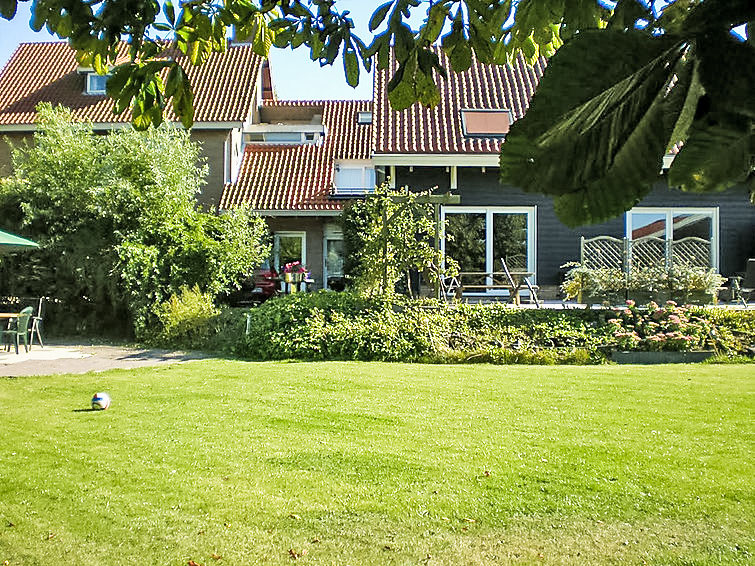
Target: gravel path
<point x="67" y="358"/>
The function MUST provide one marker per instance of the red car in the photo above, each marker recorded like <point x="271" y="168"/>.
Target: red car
<point x="266" y="283"/>
<point x="257" y="288"/>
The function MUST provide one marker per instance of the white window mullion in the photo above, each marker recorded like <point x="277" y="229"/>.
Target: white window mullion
<point x="489" y="260"/>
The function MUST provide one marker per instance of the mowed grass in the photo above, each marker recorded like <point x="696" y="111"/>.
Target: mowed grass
<point x="222" y="462"/>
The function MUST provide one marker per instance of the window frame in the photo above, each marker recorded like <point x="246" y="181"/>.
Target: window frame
<point x="96" y="92"/>
<point x="329" y="235"/>
<point x="362" y="164"/>
<point x="670" y="212"/>
<point x="289" y="234"/>
<point x="489" y="211"/>
<point x="467" y="134"/>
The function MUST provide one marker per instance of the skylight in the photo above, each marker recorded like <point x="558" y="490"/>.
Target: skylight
<point x="485" y="122"/>
<point x="364" y="118"/>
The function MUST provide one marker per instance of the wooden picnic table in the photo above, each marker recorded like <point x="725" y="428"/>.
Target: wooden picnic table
<point x="484" y="282"/>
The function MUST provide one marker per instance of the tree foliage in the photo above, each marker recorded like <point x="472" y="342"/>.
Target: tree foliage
<point x="494" y="30"/>
<point x="634" y="79"/>
<point x="118" y="223"/>
<point x="387" y="236"/>
<point x="613" y="102"/>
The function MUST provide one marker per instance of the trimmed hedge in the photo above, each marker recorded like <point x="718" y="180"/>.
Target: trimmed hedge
<point x="344" y="326"/>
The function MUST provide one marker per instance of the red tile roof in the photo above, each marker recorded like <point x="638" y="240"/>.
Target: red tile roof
<point x="439" y="129"/>
<point x="224" y="87"/>
<point x="300" y="177"/>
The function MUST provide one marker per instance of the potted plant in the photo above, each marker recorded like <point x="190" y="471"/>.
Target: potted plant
<point x="294" y="272"/>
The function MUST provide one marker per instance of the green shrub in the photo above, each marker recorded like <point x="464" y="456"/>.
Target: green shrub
<point x="680" y="283"/>
<point x="656" y="328"/>
<point x="733" y="330"/>
<point x="118" y="224"/>
<point x="186" y="318"/>
<point x="345" y="326"/>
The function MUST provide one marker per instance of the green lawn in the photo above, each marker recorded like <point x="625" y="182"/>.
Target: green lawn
<point x="368" y="463"/>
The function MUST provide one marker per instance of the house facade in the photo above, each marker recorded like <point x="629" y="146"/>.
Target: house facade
<point x="297" y="163"/>
<point x="228" y="91"/>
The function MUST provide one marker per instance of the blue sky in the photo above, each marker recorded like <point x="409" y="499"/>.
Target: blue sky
<point x="295" y="76"/>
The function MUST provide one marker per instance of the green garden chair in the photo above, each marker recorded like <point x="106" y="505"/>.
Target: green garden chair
<point x="20" y="330"/>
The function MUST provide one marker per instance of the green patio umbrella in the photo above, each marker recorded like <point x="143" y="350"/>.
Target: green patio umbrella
<point x="11" y="243"/>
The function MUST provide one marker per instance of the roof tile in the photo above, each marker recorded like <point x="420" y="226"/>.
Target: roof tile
<point x="300" y="177"/>
<point x="224" y="87"/>
<point x="438" y="130"/>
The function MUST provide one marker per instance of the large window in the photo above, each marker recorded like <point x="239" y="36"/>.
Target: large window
<point x="675" y="224"/>
<point x="478" y="238"/>
<point x="289" y="247"/>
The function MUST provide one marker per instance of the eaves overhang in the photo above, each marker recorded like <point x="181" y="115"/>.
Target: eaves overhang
<point x="437" y="159"/>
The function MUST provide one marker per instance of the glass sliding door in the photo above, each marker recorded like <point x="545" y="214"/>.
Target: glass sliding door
<point x="477" y="238"/>
<point x="675" y="224"/>
<point x="647" y="224"/>
<point x="465" y="241"/>
<point x="334" y="254"/>
<point x="510" y="240"/>
<point x="688" y="224"/>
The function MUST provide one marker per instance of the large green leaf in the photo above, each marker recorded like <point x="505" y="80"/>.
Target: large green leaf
<point x="631" y="174"/>
<point x="727" y="72"/>
<point x="8" y="9"/>
<point x="580" y="120"/>
<point x="715" y="156"/>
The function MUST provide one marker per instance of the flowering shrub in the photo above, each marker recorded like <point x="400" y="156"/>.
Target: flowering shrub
<point x="656" y="328"/>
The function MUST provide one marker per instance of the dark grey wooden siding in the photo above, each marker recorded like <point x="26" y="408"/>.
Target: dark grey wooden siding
<point x="558" y="244"/>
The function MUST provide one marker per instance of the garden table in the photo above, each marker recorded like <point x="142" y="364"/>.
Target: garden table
<point x="511" y="281"/>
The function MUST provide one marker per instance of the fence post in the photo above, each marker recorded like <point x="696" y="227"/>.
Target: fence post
<point x="669" y="253"/>
<point x="582" y="250"/>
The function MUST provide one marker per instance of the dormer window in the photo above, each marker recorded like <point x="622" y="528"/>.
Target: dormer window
<point x="353" y="178"/>
<point x="96" y="83"/>
<point x="364" y="118"/>
<point x="486" y="123"/>
<point x="284" y="134"/>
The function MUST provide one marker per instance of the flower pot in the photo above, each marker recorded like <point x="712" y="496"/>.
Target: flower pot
<point x="293" y="277"/>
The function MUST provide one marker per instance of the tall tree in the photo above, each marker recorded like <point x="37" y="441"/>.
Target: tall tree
<point x="614" y="101"/>
<point x="118" y="223"/>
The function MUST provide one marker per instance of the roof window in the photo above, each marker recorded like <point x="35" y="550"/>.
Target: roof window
<point x="486" y="123"/>
<point x="96" y="83"/>
<point x="364" y="118"/>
